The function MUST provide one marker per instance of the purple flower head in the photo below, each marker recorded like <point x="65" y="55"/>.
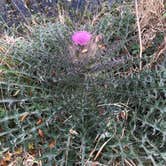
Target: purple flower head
<point x="81" y="37"/>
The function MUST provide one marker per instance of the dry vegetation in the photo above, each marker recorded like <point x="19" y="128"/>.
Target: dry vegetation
<point x="152" y="20"/>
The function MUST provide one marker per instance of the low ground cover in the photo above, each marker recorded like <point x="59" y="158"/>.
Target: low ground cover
<point x="101" y="103"/>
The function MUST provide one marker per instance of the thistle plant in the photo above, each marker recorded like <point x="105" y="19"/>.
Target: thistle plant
<point x="75" y="96"/>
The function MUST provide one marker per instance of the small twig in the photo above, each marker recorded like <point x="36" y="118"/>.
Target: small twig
<point x="120" y="105"/>
<point x="67" y="149"/>
<point x="139" y="33"/>
<point x="67" y="119"/>
<point x="98" y="153"/>
<point x="123" y="133"/>
<point x="40" y="162"/>
<point x="93" y="151"/>
<point x="101" y="148"/>
<point x="83" y="151"/>
<point x="129" y="163"/>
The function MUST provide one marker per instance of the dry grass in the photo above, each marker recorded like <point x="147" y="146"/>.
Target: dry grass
<point x="19" y="158"/>
<point x="152" y="19"/>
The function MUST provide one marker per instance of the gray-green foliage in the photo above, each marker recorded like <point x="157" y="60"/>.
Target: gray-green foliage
<point x="121" y="116"/>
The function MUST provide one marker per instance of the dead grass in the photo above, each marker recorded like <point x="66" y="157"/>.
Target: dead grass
<point x="152" y="19"/>
<point x="14" y="159"/>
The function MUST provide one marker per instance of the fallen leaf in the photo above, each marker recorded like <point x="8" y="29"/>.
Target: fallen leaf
<point x="73" y="132"/>
<point x="101" y="46"/>
<point x="2" y="49"/>
<point x="31" y="146"/>
<point x="98" y="38"/>
<point x="3" y="163"/>
<point x="29" y="160"/>
<point x="8" y="156"/>
<point x="39" y="121"/>
<point x="123" y="115"/>
<point x="52" y="144"/>
<point x="19" y="151"/>
<point x="41" y="134"/>
<point x="23" y="117"/>
<point x="85" y="50"/>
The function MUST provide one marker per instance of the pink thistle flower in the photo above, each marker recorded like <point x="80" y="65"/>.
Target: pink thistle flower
<point x="81" y="37"/>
